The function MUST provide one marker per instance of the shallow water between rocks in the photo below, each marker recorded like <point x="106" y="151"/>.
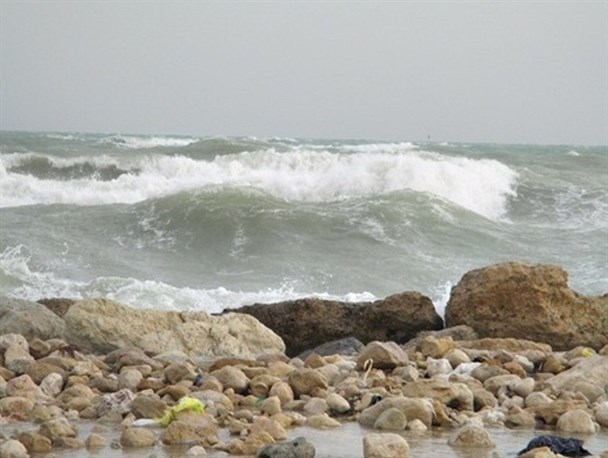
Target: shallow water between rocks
<point x="346" y="442"/>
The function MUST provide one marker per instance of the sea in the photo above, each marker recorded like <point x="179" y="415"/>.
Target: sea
<point x="211" y="223"/>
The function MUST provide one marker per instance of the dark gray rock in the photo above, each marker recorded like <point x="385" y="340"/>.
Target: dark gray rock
<point x="349" y="346"/>
<point x="306" y="323"/>
<point x="297" y="448"/>
<point x="30" y="319"/>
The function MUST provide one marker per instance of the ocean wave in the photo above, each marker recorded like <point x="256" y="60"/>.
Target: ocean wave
<point x="147" y="142"/>
<point x="479" y="185"/>
<point x="143" y="294"/>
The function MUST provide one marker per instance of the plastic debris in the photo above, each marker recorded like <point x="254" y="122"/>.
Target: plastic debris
<point x="185" y="403"/>
<point x="564" y="446"/>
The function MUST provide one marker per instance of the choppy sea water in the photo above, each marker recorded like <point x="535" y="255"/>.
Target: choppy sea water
<point x="207" y="223"/>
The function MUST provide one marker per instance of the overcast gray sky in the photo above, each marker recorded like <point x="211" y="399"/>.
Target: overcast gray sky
<point x="516" y="72"/>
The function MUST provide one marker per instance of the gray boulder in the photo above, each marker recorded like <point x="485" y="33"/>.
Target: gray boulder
<point x="30" y="319"/>
<point x="297" y="448"/>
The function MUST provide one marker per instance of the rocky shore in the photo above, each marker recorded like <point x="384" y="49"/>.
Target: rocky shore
<point x="521" y="351"/>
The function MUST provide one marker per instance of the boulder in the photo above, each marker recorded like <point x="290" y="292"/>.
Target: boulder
<point x="385" y="445"/>
<point x="350" y="346"/>
<point x="102" y="325"/>
<point x="203" y="431"/>
<point x="307" y="323"/>
<point x="58" y="305"/>
<point x="520" y="300"/>
<point x="30" y="319"/>
<point x="137" y="437"/>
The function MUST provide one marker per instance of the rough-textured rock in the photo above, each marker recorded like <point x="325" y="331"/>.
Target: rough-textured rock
<point x="58" y="305"/>
<point x="337" y="404"/>
<point x="384" y="355"/>
<point x="203" y="431"/>
<point x="505" y="344"/>
<point x="232" y="377"/>
<point x="13" y="449"/>
<point x="307" y="381"/>
<point x="576" y="421"/>
<point x="137" y="437"/>
<point x="307" y="323"/>
<point x="421" y="409"/>
<point x="297" y="448"/>
<point x="528" y="301"/>
<point x="34" y="442"/>
<point x="103" y="325"/>
<point x="350" y="346"/>
<point x="283" y="391"/>
<point x="454" y="395"/>
<point x="471" y="435"/>
<point x="56" y="428"/>
<point x="24" y="386"/>
<point x="95" y="441"/>
<point x="147" y="407"/>
<point x="30" y="319"/>
<point x="385" y="445"/>
<point x="590" y="370"/>
<point x="391" y="419"/>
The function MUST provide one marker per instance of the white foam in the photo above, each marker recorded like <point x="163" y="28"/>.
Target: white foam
<point x="144" y="294"/>
<point x="144" y="142"/>
<point x="480" y="185"/>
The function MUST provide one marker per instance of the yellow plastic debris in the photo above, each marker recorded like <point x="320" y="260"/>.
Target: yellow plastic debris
<point x="587" y="352"/>
<point x="185" y="403"/>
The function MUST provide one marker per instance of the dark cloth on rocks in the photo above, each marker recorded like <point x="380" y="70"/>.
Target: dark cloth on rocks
<point x="564" y="446"/>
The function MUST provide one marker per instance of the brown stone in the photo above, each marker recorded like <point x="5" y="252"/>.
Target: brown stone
<point x="147" y="407"/>
<point x="528" y="301"/>
<point x="307" y="323"/>
<point x="34" y="442"/>
<point x="307" y="381"/>
<point x="137" y="437"/>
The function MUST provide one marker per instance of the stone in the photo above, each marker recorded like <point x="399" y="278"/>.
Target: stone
<point x="385" y="445"/>
<point x="538" y="398"/>
<point x="197" y="450"/>
<point x="13" y="449"/>
<point x="119" y="403"/>
<point x="592" y="370"/>
<point x="147" y="407"/>
<point x="75" y="391"/>
<point x="349" y="346"/>
<point x="23" y="386"/>
<point x="337" y="404"/>
<point x="232" y="377"/>
<point x="576" y="421"/>
<point x="550" y="413"/>
<point x="471" y="435"/>
<point x="204" y="432"/>
<point x="436" y="348"/>
<point x="521" y="300"/>
<point x="539" y="452"/>
<point x="58" y="305"/>
<point x="102" y="325"/>
<point x="522" y="387"/>
<point x="129" y="379"/>
<point x="95" y="441"/>
<point x="271" y="405"/>
<point x="29" y="319"/>
<point x="38" y="370"/>
<point x="455" y="395"/>
<point x="315" y="406"/>
<point x="307" y="323"/>
<point x="283" y="391"/>
<point x="178" y="371"/>
<point x="384" y="355"/>
<point x="322" y="421"/>
<point x="416" y="426"/>
<point x="34" y="442"/>
<point x="391" y="419"/>
<point x="56" y="428"/>
<point x="307" y="381"/>
<point x="17" y="359"/>
<point x="493" y="384"/>
<point x="137" y="437"/>
<point x="437" y="367"/>
<point x="456" y="357"/>
<point x="269" y="426"/>
<point x="520" y="417"/>
<point x="601" y="414"/>
<point x="297" y="448"/>
<point x="487" y="371"/>
<point x="413" y="408"/>
<point x="16" y="405"/>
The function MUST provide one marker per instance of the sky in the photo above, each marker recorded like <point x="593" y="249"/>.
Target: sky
<point x="461" y="71"/>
